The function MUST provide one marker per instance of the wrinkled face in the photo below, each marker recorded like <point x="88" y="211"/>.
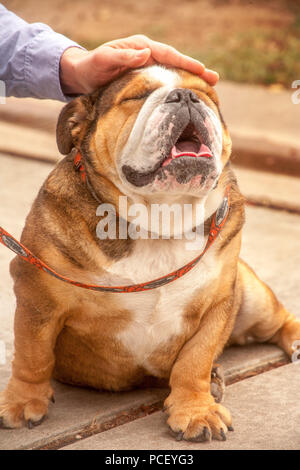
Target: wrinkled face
<point x="175" y="144"/>
<point x="158" y="131"/>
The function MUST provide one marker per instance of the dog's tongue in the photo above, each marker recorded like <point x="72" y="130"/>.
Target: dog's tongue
<point x="187" y="148"/>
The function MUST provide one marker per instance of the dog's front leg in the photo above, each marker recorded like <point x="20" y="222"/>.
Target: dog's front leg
<point x="193" y="413"/>
<point x="28" y="392"/>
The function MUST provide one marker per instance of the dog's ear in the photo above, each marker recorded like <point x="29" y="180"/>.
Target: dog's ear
<point x="73" y="121"/>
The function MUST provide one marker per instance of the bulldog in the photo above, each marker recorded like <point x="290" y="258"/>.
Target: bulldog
<point x="154" y="136"/>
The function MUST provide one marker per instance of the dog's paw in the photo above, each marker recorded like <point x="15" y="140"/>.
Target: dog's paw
<point x="197" y="418"/>
<point x="217" y="383"/>
<point x="29" y="407"/>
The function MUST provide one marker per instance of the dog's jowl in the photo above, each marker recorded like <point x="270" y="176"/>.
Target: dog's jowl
<point x="154" y="136"/>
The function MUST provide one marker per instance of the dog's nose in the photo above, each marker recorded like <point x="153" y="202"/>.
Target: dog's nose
<point x="182" y="95"/>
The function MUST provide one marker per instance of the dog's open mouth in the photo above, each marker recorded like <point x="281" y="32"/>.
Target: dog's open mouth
<point x="187" y="157"/>
<point x="189" y="144"/>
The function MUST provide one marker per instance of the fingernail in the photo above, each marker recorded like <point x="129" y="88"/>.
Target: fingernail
<point x="213" y="72"/>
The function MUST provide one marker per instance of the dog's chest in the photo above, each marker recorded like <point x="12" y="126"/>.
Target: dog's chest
<point x="158" y="316"/>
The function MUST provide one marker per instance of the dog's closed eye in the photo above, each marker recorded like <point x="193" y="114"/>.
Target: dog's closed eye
<point x="136" y="97"/>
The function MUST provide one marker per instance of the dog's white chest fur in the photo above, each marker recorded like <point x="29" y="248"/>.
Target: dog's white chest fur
<point x="158" y="313"/>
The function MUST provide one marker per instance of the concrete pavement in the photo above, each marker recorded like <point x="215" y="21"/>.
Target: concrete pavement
<point x="265" y="411"/>
<point x="270" y="246"/>
<point x="264" y="125"/>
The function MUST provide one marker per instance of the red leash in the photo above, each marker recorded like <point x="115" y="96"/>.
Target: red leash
<point x="217" y="224"/>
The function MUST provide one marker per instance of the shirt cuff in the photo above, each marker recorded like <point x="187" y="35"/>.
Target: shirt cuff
<point x="42" y="60"/>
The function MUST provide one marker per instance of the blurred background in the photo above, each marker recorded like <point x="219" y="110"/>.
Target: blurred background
<point x="252" y="41"/>
<point x="255" y="47"/>
<point x="253" y="44"/>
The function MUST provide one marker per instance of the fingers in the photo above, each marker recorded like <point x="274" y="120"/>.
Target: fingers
<point x="165" y="55"/>
<point x="83" y="71"/>
<point x="109" y="58"/>
<point x="138" y="41"/>
<point x="130" y="57"/>
<point x="210" y="76"/>
<point x="168" y="55"/>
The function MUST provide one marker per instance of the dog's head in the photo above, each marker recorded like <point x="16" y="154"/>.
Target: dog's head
<point x="152" y="131"/>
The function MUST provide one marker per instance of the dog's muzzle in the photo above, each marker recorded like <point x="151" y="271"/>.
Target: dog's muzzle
<point x="188" y="142"/>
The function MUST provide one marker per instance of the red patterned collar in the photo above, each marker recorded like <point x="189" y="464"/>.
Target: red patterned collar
<point x="218" y="221"/>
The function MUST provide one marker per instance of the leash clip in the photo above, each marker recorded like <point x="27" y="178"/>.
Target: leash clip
<point x="79" y="166"/>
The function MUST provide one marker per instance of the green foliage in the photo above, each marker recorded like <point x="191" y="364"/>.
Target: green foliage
<point x="256" y="56"/>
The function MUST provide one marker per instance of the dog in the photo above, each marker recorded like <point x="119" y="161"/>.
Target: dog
<point x="155" y="136"/>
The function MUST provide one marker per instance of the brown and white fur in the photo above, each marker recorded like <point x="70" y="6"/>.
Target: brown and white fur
<point x="118" y="341"/>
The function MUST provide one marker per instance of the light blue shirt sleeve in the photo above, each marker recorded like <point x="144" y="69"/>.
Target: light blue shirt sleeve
<point x="29" y="58"/>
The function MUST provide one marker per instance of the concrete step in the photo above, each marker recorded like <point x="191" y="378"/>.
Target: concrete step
<point x="270" y="246"/>
<point x="27" y="142"/>
<point x="78" y="411"/>
<point x="268" y="189"/>
<point x="31" y="112"/>
<point x="265" y="412"/>
<point x="263" y="123"/>
<point x="259" y="111"/>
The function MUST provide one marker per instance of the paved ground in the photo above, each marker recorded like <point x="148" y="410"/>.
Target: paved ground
<point x="255" y="110"/>
<point x="266" y="405"/>
<point x="268" y="426"/>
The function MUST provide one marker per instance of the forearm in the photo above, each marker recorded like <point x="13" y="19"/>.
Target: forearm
<point x="30" y="58"/>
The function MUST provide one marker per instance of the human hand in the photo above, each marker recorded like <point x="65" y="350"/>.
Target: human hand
<point x="83" y="71"/>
